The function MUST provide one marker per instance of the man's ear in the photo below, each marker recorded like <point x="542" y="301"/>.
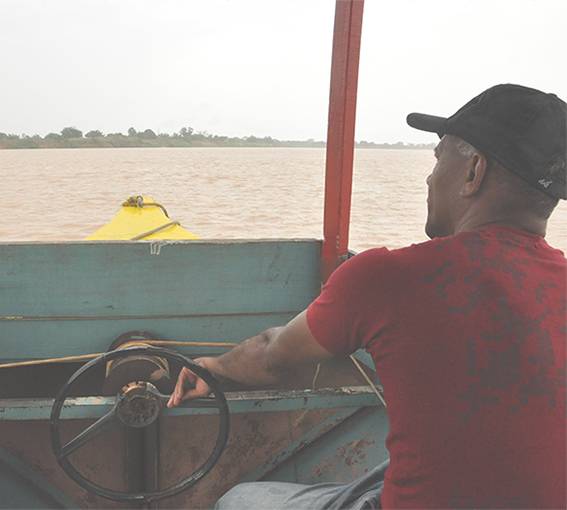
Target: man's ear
<point x="475" y="174"/>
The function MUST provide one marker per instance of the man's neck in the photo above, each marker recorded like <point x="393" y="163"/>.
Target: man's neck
<point x="528" y="223"/>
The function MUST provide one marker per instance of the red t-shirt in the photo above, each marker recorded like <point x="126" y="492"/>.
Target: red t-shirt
<point x="468" y="336"/>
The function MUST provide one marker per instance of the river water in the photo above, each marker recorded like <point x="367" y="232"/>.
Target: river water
<point x="66" y="194"/>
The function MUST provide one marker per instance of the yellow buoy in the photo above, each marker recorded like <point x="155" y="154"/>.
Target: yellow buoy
<point x="141" y="218"/>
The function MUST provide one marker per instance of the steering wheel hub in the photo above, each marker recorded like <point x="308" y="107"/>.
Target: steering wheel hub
<point x="138" y="404"/>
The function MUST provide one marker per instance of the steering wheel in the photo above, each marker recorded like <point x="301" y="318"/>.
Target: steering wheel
<point x="138" y="405"/>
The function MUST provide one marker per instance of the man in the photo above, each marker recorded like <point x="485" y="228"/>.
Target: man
<point x="467" y="330"/>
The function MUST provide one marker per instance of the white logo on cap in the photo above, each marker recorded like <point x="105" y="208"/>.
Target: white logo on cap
<point x="545" y="183"/>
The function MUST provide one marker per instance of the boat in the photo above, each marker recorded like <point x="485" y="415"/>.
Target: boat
<point x="141" y="217"/>
<point x="93" y="334"/>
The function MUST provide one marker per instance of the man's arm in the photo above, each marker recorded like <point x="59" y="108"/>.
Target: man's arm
<point x="261" y="361"/>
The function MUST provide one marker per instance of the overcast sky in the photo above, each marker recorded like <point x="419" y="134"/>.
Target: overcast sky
<point x="262" y="67"/>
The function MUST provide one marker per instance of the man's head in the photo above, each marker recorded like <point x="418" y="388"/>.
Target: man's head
<point x="502" y="157"/>
<point x="466" y="185"/>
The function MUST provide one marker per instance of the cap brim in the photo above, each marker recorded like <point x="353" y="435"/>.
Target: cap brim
<point x="425" y="122"/>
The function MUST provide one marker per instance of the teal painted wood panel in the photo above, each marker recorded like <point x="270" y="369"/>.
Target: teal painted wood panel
<point x="60" y="299"/>
<point x="114" y="279"/>
<point x="21" y="340"/>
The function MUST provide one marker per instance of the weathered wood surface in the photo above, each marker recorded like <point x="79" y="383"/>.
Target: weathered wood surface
<point x="295" y="446"/>
<point x="238" y="403"/>
<point x="60" y="299"/>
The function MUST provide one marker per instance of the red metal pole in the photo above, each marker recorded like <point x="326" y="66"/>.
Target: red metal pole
<point x="340" y="134"/>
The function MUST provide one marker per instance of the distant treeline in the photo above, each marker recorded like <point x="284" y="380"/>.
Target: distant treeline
<point x="73" y="138"/>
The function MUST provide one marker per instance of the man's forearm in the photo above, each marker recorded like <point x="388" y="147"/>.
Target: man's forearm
<point x="249" y="363"/>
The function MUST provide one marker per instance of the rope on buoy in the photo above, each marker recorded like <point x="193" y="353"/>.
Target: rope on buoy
<point x="138" y="201"/>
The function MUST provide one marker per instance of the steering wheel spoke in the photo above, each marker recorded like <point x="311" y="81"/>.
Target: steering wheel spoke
<point x="89" y="433"/>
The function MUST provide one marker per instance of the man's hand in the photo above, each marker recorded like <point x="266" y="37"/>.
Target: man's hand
<point x="190" y="385"/>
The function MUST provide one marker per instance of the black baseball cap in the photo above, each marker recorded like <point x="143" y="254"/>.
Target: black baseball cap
<point x="521" y="128"/>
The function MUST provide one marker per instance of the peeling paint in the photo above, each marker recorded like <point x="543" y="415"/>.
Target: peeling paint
<point x="155" y="247"/>
<point x="351" y="454"/>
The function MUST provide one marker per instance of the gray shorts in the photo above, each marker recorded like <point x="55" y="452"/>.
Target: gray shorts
<point x="361" y="494"/>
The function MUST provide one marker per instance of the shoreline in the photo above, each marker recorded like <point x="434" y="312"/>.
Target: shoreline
<point x="72" y="138"/>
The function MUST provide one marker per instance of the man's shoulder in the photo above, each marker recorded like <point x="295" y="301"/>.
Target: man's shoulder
<point x="425" y="251"/>
<point x="495" y="247"/>
<point x="413" y="261"/>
